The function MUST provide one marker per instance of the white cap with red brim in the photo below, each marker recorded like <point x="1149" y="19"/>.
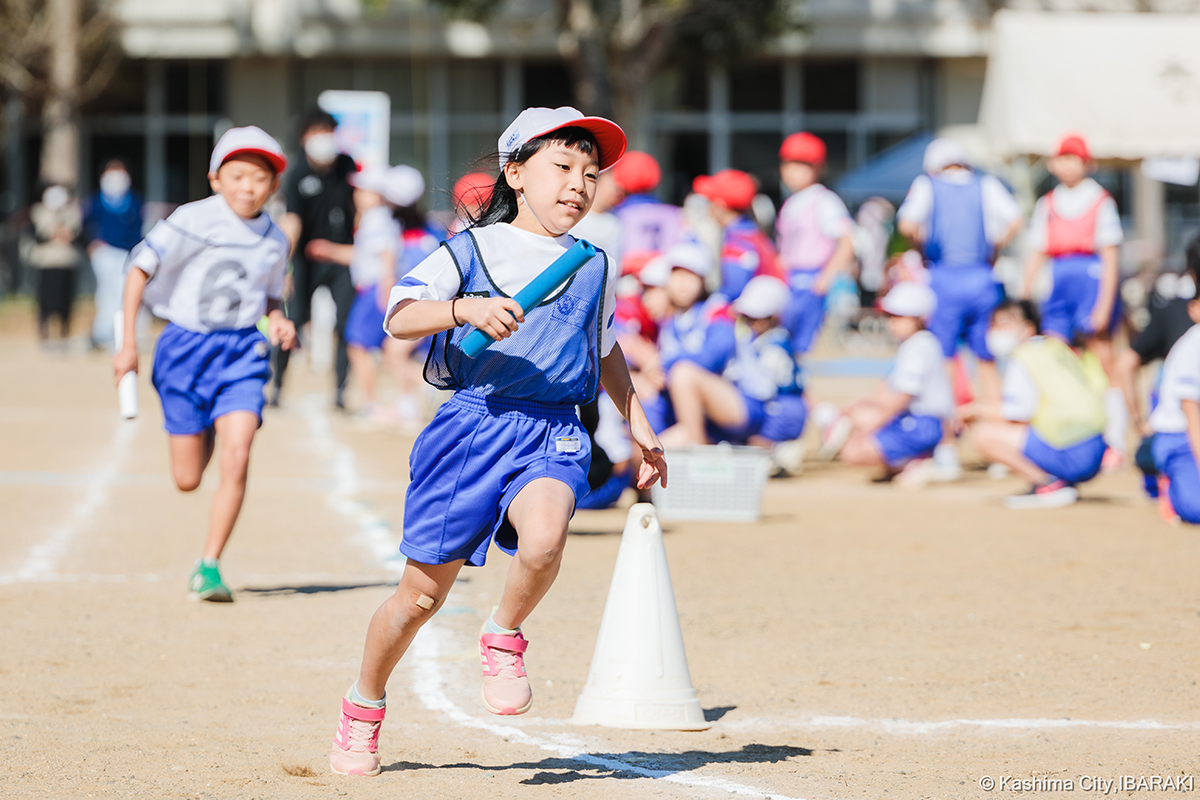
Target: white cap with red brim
<point x="655" y="272"/>
<point x="534" y="122"/>
<point x="693" y="257"/>
<point x="400" y="185"/>
<point x="763" y="297"/>
<point x="909" y="299"/>
<point x="249" y="139"/>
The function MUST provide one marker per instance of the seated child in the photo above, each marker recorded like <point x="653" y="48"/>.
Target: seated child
<point x="1049" y="424"/>
<point x="757" y="399"/>
<point x="903" y="420"/>
<point x="1176" y="423"/>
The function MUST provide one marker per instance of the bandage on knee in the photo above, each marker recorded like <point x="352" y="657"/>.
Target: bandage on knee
<point x="422" y="600"/>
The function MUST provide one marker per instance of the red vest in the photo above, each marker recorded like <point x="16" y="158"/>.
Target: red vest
<point x="1072" y="236"/>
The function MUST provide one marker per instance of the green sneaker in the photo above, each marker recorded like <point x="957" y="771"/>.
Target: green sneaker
<point x="206" y="584"/>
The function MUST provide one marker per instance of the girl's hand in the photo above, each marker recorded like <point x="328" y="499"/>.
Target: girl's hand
<point x="319" y="250"/>
<point x="498" y="317"/>
<point x="654" y="462"/>
<point x="281" y="331"/>
<point x="126" y="360"/>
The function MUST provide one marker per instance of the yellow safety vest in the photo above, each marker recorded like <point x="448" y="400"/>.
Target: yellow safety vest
<point x="1070" y="391"/>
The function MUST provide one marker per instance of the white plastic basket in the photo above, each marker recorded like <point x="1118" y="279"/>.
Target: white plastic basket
<point x="718" y="483"/>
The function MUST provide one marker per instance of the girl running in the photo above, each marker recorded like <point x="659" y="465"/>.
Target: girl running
<point x="506" y="458"/>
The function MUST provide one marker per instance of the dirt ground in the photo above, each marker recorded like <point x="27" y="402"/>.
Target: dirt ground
<point x="859" y="641"/>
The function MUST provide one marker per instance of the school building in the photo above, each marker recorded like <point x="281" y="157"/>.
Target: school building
<point x="863" y="74"/>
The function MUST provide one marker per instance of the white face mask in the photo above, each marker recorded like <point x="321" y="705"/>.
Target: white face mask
<point x="321" y="148"/>
<point x="115" y="183"/>
<point x="55" y="197"/>
<point x="1001" y="344"/>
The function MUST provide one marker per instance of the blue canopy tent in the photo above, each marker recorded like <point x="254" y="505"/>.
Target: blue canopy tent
<point x="888" y="174"/>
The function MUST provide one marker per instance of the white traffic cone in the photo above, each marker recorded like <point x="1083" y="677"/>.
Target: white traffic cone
<point x="639" y="676"/>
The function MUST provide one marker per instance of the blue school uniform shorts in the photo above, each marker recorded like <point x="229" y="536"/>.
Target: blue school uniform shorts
<point x="966" y="296"/>
<point x="364" y="323"/>
<point x="1075" y="464"/>
<point x="202" y="376"/>
<point x="908" y="436"/>
<point x="472" y="460"/>
<point x="1174" y="458"/>
<point x="1067" y="311"/>
<point x="805" y="311"/>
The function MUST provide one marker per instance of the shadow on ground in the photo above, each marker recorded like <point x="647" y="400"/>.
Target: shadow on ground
<point x="325" y="588"/>
<point x="628" y="765"/>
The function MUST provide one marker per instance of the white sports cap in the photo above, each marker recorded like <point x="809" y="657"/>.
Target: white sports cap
<point x="249" y="139"/>
<point x="942" y="153"/>
<point x="534" y="122"/>
<point x="764" y="296"/>
<point x="690" y="256"/>
<point x="909" y="299"/>
<point x="400" y="185"/>
<point x="655" y="272"/>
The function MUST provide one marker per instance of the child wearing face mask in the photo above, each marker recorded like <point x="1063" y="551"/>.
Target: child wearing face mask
<point x="113" y="224"/>
<point x="506" y="458"/>
<point x="1049" y="423"/>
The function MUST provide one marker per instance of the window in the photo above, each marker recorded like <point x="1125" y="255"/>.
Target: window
<point x="758" y="154"/>
<point x="547" y="83"/>
<point x="756" y="88"/>
<point x="831" y="86"/>
<point x="685" y="155"/>
<point x="475" y="87"/>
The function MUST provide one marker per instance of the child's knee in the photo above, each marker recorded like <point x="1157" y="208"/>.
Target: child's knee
<point x="235" y="459"/>
<point x="414" y="605"/>
<point x="542" y="549"/>
<point x="683" y="373"/>
<point x="187" y="480"/>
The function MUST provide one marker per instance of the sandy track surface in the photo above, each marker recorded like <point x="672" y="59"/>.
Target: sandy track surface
<point x="858" y="641"/>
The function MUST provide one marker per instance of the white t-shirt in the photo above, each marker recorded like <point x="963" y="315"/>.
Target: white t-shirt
<point x="1019" y="394"/>
<point x="1000" y="209"/>
<point x="1180" y="381"/>
<point x="602" y="229"/>
<point x="378" y="233"/>
<point x="1072" y="204"/>
<point x="514" y="257"/>
<point x="832" y="215"/>
<point x="920" y="371"/>
<point x="210" y="269"/>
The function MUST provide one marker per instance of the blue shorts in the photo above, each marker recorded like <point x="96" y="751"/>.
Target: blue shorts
<point x="1174" y="458"/>
<point x="908" y="436"/>
<point x="202" y="376"/>
<point x="364" y="323"/>
<point x="1067" y="311"/>
<point x="756" y="412"/>
<point x="1075" y="464"/>
<point x="659" y="411"/>
<point x="805" y="312"/>
<point x="472" y="460"/>
<point x="785" y="418"/>
<point x="965" y="299"/>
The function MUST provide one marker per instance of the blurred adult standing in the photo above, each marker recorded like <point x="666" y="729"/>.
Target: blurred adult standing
<point x="57" y="222"/>
<point x="320" y="205"/>
<point x="112" y="222"/>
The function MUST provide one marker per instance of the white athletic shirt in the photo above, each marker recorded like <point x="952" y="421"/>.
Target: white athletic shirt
<point x="378" y="233"/>
<point x="1019" y="394"/>
<point x="513" y="258"/>
<point x="920" y="371"/>
<point x="1000" y="209"/>
<point x="832" y="215"/>
<point x="1072" y="204"/>
<point x="602" y="229"/>
<point x="210" y="269"/>
<point x="1180" y="381"/>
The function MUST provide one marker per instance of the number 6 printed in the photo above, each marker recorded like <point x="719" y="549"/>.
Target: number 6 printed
<point x="210" y="291"/>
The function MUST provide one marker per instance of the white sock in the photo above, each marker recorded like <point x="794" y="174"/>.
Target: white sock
<point x="824" y="413"/>
<point x="1116" y="429"/>
<point x="492" y="627"/>
<point x="359" y="700"/>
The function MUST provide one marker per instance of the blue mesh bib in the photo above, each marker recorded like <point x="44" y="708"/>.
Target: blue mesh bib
<point x="956" y="232"/>
<point x="554" y="356"/>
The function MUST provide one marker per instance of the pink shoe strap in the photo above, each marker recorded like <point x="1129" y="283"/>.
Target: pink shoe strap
<point x="362" y="714"/>
<point x="516" y="644"/>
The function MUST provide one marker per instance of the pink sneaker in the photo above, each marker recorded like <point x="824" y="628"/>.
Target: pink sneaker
<point x="505" y="688"/>
<point x="355" y="748"/>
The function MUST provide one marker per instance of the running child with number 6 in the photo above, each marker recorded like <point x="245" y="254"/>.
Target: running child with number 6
<point x="506" y="458"/>
<point x="212" y="269"/>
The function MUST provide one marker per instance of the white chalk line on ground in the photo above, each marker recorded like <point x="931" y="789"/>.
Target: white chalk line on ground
<point x="905" y="727"/>
<point x="423" y="655"/>
<point x="43" y="557"/>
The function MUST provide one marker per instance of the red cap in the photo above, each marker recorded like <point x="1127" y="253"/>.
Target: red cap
<point x="734" y="188"/>
<point x="1074" y="145"/>
<point x="633" y="261"/>
<point x="473" y="189"/>
<point x="637" y="172"/>
<point x="803" y="147"/>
